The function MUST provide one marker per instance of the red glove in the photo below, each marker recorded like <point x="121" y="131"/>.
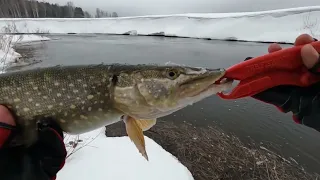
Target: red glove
<point x="7" y="125"/>
<point x="5" y="132"/>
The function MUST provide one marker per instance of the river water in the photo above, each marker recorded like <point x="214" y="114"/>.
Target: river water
<point x="246" y="118"/>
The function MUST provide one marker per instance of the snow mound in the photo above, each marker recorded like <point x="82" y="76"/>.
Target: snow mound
<point x="99" y="157"/>
<point x="282" y="25"/>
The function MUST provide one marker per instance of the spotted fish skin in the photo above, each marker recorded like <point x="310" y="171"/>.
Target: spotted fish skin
<point x="78" y="97"/>
<point x="82" y="98"/>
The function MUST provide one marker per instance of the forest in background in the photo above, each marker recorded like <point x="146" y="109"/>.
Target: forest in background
<point x="37" y="9"/>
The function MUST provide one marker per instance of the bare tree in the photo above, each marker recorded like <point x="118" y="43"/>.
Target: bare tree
<point x="17" y="8"/>
<point x="14" y="8"/>
<point x="4" y="8"/>
<point x="311" y="25"/>
<point x="98" y="13"/>
<point x="114" y="14"/>
<point x="44" y="8"/>
<point x="34" y="8"/>
<point x="71" y="8"/>
<point x="8" y="8"/>
<point x="87" y="14"/>
<point x="24" y="7"/>
<point x="41" y="8"/>
<point x="6" y="42"/>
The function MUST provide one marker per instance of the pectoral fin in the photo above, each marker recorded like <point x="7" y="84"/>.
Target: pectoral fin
<point x="135" y="133"/>
<point x="146" y="124"/>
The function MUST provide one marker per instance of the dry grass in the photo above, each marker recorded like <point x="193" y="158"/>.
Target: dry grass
<point x="210" y="154"/>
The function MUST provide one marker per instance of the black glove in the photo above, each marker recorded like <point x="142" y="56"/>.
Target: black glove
<point x="303" y="102"/>
<point x="43" y="160"/>
<point x="49" y="150"/>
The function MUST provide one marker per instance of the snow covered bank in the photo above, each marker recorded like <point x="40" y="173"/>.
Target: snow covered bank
<point x="98" y="157"/>
<point x="282" y="25"/>
<point x="7" y="54"/>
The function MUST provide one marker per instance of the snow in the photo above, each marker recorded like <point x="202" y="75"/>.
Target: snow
<point x="99" y="157"/>
<point x="282" y="25"/>
<point x="31" y="38"/>
<point x="8" y="56"/>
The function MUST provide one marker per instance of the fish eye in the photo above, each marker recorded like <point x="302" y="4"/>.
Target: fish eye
<point x="172" y="74"/>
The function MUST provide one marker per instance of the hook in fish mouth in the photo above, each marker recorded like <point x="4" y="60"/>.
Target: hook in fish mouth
<point x="123" y="118"/>
<point x="219" y="84"/>
<point x="223" y="80"/>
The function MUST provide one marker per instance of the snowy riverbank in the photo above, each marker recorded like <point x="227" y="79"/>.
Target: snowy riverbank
<point x="282" y="25"/>
<point x="8" y="56"/>
<point x="98" y="157"/>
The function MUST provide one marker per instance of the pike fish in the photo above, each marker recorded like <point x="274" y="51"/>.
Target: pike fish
<point x="82" y="98"/>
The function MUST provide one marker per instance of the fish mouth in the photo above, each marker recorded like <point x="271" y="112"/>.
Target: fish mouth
<point x="220" y="85"/>
<point x="211" y="76"/>
<point x="211" y="82"/>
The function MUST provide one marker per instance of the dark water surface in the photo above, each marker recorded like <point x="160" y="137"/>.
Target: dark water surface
<point x="246" y="118"/>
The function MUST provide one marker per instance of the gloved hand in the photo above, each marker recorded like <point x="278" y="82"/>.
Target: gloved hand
<point x="303" y="102"/>
<point x="43" y="160"/>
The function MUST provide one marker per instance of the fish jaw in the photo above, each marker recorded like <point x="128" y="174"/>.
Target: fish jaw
<point x="202" y="86"/>
<point x="154" y="96"/>
<point x="209" y="91"/>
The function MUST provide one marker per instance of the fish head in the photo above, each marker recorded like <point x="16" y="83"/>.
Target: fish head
<point x="151" y="92"/>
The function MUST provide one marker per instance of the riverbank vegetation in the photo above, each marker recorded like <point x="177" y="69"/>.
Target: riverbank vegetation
<point x="211" y="154"/>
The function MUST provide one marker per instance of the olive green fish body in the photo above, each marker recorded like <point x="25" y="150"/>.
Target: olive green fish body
<point x="86" y="97"/>
<point x="78" y="97"/>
